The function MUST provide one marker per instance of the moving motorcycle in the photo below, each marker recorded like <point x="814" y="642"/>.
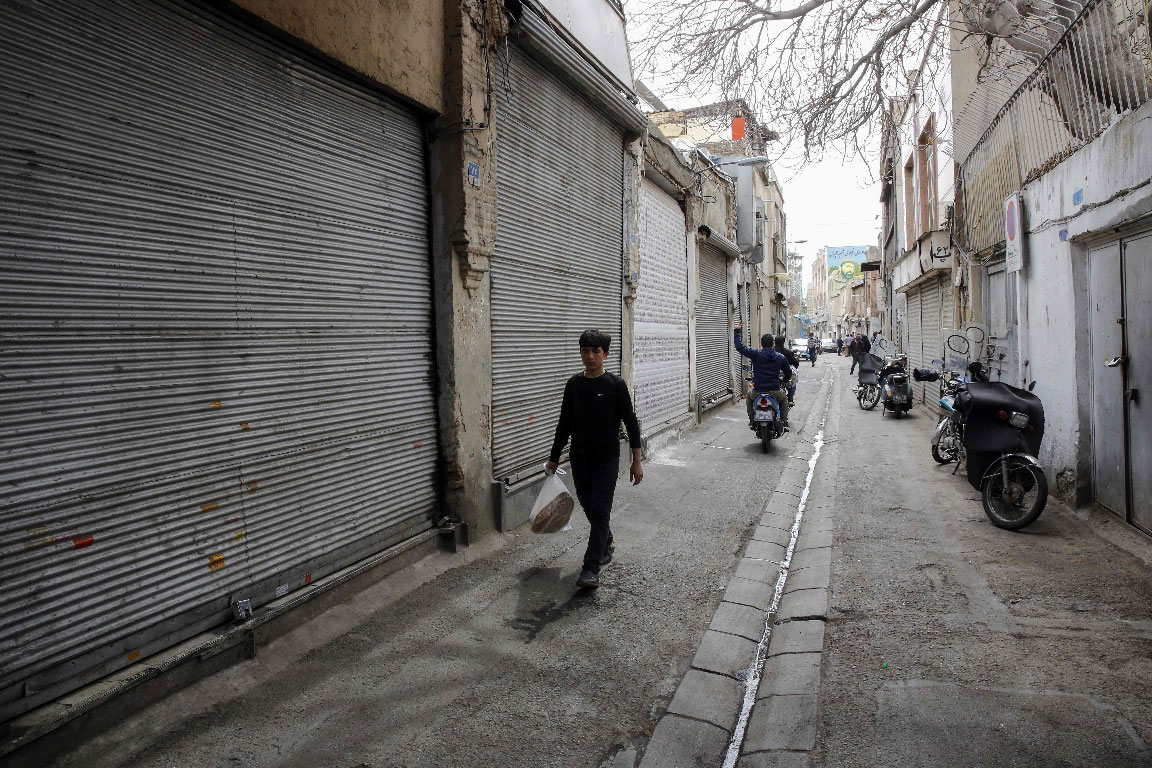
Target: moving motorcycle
<point x="895" y="387"/>
<point x="766" y="419"/>
<point x="996" y="430"/>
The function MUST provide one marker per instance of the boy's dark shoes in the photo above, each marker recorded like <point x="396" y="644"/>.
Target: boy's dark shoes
<point x="588" y="580"/>
<point x="607" y="558"/>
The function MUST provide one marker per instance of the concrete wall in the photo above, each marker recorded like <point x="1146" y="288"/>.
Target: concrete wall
<point x="398" y="43"/>
<point x="1103" y="186"/>
<point x="463" y="237"/>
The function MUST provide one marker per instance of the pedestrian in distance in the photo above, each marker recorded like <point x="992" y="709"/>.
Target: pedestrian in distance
<point x="813" y="349"/>
<point x="768" y="368"/>
<point x="595" y="402"/>
<point x="793" y="368"/>
<point x="839" y="345"/>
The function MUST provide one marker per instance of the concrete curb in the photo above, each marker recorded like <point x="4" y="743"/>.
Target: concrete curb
<point x="700" y="720"/>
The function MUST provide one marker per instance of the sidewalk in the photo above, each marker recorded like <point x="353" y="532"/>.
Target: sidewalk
<point x="490" y="657"/>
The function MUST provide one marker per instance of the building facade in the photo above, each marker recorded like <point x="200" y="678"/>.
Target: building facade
<point x="1055" y="226"/>
<point x="299" y="304"/>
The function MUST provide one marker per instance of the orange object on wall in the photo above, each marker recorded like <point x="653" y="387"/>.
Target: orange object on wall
<point x="737" y="128"/>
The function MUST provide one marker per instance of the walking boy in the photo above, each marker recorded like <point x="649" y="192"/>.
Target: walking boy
<point x="595" y="402"/>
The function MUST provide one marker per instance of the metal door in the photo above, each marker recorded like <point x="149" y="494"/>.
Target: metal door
<point x="931" y="327"/>
<point x="713" y="334"/>
<point x="1107" y="342"/>
<point x="915" y="350"/>
<point x="1138" y="394"/>
<point x="215" y="330"/>
<point x="661" y="311"/>
<point x="557" y="268"/>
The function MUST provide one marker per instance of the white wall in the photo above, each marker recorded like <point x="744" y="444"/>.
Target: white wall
<point x="1112" y="176"/>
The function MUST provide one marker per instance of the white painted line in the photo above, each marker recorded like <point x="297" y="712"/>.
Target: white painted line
<point x="756" y="668"/>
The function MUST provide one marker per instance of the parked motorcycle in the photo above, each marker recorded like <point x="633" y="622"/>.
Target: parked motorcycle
<point x="868" y="381"/>
<point x="895" y="388"/>
<point x="946" y="439"/>
<point x="995" y="429"/>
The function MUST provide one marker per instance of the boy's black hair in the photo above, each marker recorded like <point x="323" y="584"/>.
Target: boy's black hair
<point x="766" y="341"/>
<point x="780" y="341"/>
<point x="595" y="338"/>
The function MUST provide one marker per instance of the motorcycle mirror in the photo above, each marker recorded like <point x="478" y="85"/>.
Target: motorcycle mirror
<point x="1032" y="386"/>
<point x="959" y="344"/>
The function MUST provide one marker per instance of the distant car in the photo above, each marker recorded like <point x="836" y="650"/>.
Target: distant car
<point x="828" y="344"/>
<point x="800" y="346"/>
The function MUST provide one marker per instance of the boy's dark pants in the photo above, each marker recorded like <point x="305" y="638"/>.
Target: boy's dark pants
<point x="595" y="480"/>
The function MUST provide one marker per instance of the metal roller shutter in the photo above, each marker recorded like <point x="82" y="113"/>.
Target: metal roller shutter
<point x="557" y="268"/>
<point x="215" y="326"/>
<point x="661" y="311"/>
<point x="930" y="334"/>
<point x="713" y="342"/>
<point x="915" y="346"/>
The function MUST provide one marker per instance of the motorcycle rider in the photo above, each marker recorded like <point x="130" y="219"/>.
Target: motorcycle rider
<point x="793" y="364"/>
<point x="768" y="366"/>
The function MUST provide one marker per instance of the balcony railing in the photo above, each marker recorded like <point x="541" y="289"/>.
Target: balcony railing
<point x="1098" y="70"/>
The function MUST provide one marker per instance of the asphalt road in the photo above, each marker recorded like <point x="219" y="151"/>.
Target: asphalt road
<point x="490" y="657"/>
<point x="948" y="642"/>
<point x="953" y="643"/>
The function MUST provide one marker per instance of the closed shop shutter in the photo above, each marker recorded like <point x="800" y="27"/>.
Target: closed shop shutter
<point x="930" y="333"/>
<point x="661" y="311"/>
<point x="915" y="350"/>
<point x="713" y="342"/>
<point x="557" y="268"/>
<point x="215" y="329"/>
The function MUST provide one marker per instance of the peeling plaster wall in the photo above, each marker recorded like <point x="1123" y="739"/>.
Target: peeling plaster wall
<point x="397" y="43"/>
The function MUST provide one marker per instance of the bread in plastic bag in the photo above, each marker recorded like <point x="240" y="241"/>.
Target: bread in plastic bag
<point x="553" y="508"/>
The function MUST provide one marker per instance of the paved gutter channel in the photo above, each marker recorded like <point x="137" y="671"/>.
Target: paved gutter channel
<point x="750" y="697"/>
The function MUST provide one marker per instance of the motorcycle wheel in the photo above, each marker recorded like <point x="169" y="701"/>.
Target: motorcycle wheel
<point x="945" y="455"/>
<point x="765" y="439"/>
<point x="1021" y="502"/>
<point x="869" y="396"/>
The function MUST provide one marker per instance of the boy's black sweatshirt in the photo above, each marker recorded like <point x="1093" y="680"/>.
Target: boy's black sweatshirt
<point x="591" y="416"/>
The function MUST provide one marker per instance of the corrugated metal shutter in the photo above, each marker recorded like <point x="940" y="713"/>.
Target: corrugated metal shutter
<point x="930" y="334"/>
<point x="915" y="346"/>
<point x="713" y="342"/>
<point x="215" y="326"/>
<point x="557" y="268"/>
<point x="931" y="322"/>
<point x="661" y="311"/>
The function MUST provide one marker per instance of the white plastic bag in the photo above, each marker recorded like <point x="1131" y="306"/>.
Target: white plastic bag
<point x="553" y="508"/>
